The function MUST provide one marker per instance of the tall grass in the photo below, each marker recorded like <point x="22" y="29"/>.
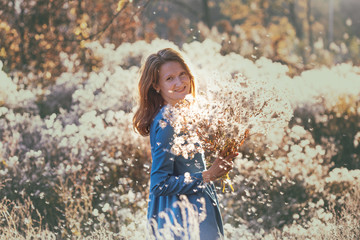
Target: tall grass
<point x="71" y="166"/>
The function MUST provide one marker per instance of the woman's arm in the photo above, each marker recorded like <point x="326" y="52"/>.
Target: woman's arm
<point x="162" y="179"/>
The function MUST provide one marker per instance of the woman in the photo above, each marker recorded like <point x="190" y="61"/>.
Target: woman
<point x="165" y="80"/>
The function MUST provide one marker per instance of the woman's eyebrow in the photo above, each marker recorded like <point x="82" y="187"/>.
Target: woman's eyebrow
<point x="168" y="75"/>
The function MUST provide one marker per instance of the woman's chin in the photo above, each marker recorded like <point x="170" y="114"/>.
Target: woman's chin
<point x="183" y="96"/>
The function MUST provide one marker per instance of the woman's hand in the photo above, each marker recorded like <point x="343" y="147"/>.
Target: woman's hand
<point x="219" y="168"/>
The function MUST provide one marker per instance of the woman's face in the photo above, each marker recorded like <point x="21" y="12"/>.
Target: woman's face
<point x="174" y="82"/>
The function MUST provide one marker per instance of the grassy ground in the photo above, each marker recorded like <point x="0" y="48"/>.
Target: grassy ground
<point x="17" y="223"/>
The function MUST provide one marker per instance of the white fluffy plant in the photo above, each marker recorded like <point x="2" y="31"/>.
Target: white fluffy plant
<point x="114" y="85"/>
<point x="95" y="131"/>
<point x="224" y="114"/>
<point x="13" y="96"/>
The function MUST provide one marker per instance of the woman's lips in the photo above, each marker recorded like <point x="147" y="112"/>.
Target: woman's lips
<point x="180" y="90"/>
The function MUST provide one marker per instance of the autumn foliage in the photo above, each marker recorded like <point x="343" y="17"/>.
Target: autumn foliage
<point x="71" y="165"/>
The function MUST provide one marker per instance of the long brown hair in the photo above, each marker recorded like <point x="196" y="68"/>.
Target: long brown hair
<point x="151" y="101"/>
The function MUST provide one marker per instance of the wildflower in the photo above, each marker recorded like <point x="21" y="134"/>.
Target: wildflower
<point x="220" y="125"/>
<point x="187" y="178"/>
<point x="95" y="212"/>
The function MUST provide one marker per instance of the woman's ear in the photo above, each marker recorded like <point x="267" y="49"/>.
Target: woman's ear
<point x="157" y="88"/>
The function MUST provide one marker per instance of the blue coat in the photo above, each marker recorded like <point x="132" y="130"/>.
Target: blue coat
<point x="167" y="184"/>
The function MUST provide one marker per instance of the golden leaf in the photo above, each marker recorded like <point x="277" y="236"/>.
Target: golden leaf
<point x="3" y="162"/>
<point x="2" y="52"/>
<point x="121" y="4"/>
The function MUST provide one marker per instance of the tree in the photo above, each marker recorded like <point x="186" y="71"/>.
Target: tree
<point x="33" y="33"/>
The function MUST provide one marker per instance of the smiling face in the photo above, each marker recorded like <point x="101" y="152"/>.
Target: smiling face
<point x="173" y="83"/>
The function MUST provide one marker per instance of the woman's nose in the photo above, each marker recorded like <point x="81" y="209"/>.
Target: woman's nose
<point x="178" y="81"/>
<point x="181" y="80"/>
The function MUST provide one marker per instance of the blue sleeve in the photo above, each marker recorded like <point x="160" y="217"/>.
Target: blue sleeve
<point x="163" y="182"/>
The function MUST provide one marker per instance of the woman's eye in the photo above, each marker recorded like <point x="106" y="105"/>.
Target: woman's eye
<point x="183" y="73"/>
<point x="169" y="79"/>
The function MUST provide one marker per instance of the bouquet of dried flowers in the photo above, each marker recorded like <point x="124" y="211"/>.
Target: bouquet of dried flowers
<point x="224" y="115"/>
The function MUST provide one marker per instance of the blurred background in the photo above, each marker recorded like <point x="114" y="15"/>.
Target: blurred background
<point x="303" y="34"/>
<point x="71" y="165"/>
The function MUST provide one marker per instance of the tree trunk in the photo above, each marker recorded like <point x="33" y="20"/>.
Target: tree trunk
<point x="206" y="17"/>
<point x="331" y="22"/>
<point x="310" y="22"/>
<point x="20" y="24"/>
<point x="80" y="10"/>
<point x="294" y="21"/>
<point x="267" y="11"/>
